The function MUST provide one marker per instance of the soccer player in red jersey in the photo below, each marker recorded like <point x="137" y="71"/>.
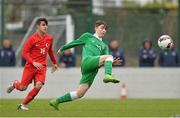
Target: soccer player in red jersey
<point x="35" y="52"/>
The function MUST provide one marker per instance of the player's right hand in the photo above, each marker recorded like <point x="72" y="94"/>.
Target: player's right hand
<point x="37" y="65"/>
<point x="59" y="52"/>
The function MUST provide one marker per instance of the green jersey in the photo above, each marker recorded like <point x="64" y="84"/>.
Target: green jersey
<point x="92" y="46"/>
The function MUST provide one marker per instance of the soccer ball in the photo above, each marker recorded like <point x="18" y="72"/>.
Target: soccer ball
<point x="165" y="42"/>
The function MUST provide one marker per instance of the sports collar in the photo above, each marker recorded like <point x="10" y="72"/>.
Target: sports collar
<point x="97" y="36"/>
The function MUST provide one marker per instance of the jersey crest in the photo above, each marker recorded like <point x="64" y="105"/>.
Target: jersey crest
<point x="47" y="44"/>
<point x="100" y="47"/>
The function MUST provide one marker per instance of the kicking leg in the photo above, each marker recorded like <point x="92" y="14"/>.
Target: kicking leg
<point x="80" y="91"/>
<point x="107" y="61"/>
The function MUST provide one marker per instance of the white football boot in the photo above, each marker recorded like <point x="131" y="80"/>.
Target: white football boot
<point x="22" y="107"/>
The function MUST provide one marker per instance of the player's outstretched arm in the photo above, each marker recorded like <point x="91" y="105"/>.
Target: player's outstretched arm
<point x="80" y="41"/>
<point x="51" y="54"/>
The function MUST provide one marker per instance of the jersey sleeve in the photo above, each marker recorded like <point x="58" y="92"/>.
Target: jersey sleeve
<point x="51" y="54"/>
<point x="80" y="41"/>
<point x="26" y="49"/>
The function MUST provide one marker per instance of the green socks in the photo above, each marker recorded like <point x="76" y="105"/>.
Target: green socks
<point x="108" y="67"/>
<point x="65" y="98"/>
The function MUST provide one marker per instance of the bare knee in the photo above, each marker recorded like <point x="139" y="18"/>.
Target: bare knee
<point x="105" y="58"/>
<point x="38" y="85"/>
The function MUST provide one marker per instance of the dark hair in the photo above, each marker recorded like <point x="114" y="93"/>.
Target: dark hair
<point x="148" y="41"/>
<point x="101" y="22"/>
<point x="41" y="19"/>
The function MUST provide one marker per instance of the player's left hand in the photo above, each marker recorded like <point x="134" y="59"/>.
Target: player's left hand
<point x="117" y="61"/>
<point x="54" y="68"/>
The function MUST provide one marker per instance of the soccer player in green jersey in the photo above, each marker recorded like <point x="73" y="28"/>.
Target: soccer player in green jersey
<point x="95" y="54"/>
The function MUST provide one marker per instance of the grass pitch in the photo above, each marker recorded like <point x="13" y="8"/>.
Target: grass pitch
<point x="94" y="108"/>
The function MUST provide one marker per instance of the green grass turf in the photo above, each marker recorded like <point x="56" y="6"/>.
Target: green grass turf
<point x="94" y="108"/>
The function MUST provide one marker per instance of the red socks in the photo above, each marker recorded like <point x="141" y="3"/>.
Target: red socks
<point x="30" y="95"/>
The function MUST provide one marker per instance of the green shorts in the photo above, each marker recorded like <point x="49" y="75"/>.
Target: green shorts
<point x="89" y="69"/>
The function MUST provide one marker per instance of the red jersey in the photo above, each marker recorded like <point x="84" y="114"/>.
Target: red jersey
<point x="36" y="49"/>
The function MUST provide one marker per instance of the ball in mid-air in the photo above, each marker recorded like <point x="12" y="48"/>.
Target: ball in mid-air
<point x="165" y="42"/>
